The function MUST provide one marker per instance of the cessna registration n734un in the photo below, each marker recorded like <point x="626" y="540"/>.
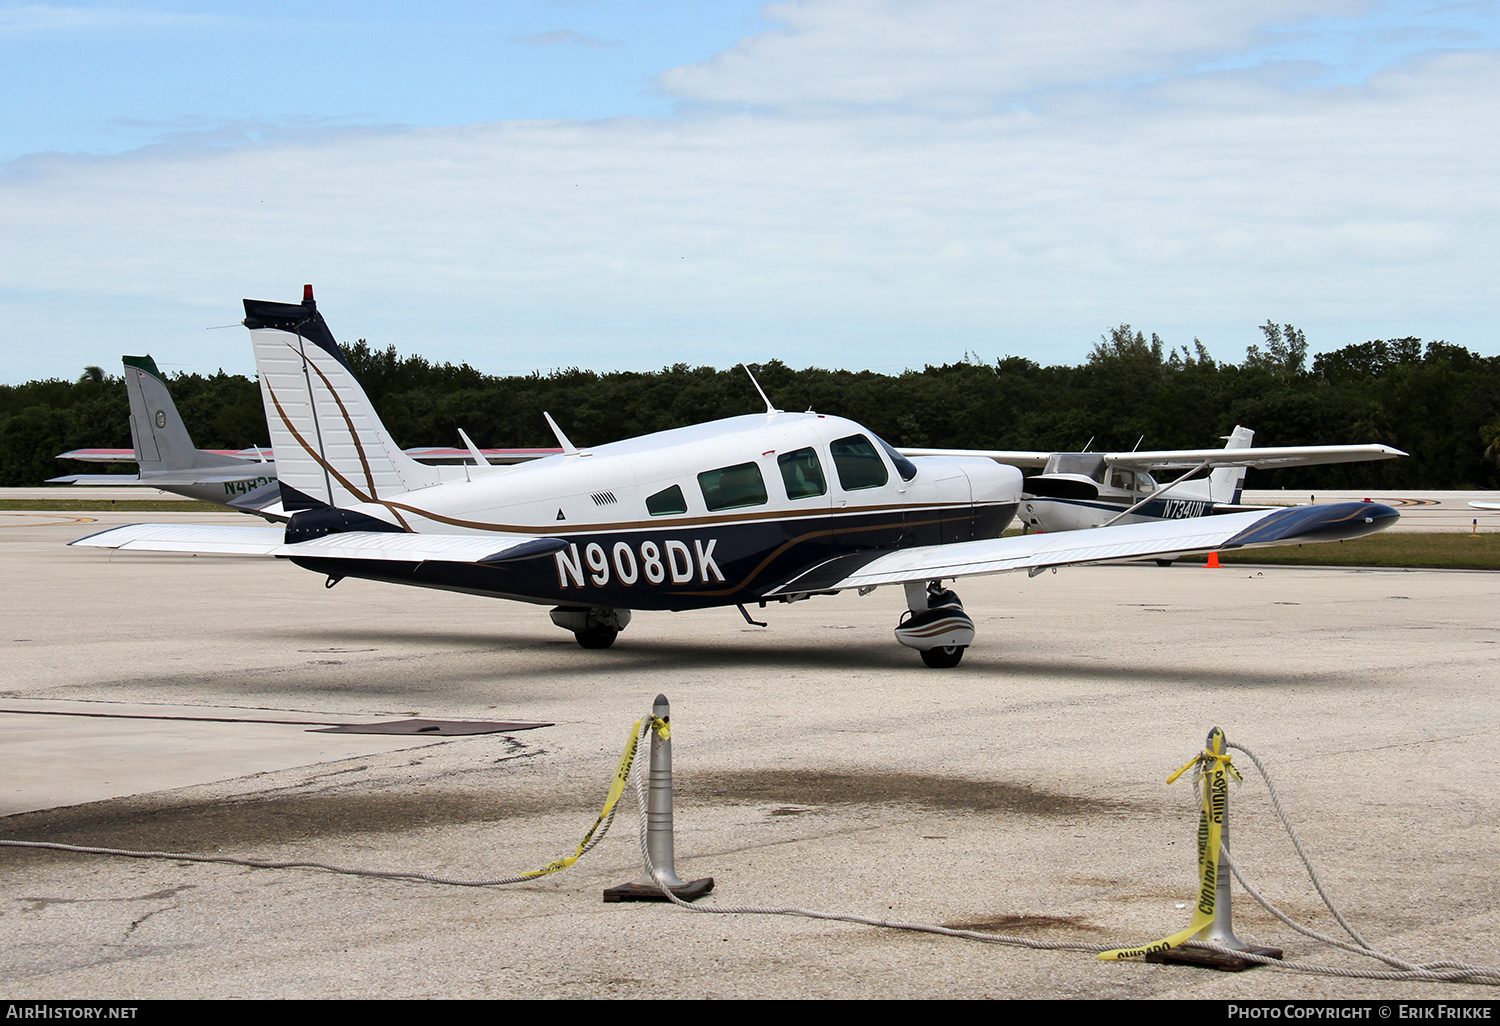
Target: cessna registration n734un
<point x="1078" y="490"/>
<point x="768" y="507"/>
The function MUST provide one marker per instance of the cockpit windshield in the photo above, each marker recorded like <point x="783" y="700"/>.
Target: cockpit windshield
<point x="1089" y="464"/>
<point x="905" y="467"/>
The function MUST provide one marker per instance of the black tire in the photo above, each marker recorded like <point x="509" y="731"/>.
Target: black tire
<point x="944" y="657"/>
<point x="596" y="637"/>
<point x="1163" y="562"/>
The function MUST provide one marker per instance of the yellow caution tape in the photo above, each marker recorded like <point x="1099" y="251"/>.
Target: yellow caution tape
<point x="616" y="788"/>
<point x="1215" y="770"/>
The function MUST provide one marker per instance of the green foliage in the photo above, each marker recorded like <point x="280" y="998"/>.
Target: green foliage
<point x="1440" y="402"/>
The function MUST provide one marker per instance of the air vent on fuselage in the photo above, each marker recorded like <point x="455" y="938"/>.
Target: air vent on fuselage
<point x="604" y="498"/>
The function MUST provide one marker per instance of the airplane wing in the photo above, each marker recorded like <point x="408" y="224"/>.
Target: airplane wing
<point x="373" y="545"/>
<point x="1167" y="459"/>
<point x="1262" y="457"/>
<point x="1012" y="457"/>
<point x="496" y="457"/>
<point x="1169" y="538"/>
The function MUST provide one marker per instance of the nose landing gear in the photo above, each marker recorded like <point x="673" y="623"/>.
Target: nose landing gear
<point x="935" y="624"/>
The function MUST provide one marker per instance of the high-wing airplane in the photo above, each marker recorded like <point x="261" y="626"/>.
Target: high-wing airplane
<point x="166" y="457"/>
<point x="1078" y="490"/>
<point x="769" y="507"/>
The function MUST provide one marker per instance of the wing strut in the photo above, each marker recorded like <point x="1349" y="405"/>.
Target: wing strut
<point x="1163" y="488"/>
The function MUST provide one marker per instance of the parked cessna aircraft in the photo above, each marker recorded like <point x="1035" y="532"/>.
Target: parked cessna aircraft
<point x="1086" y="489"/>
<point x="767" y="507"/>
<point x="166" y="456"/>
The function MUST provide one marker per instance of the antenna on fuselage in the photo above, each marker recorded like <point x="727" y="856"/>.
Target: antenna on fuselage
<point x="474" y="453"/>
<point x="1089" y="443"/>
<point x="1138" y="442"/>
<point x="562" y="439"/>
<point x="769" y="407"/>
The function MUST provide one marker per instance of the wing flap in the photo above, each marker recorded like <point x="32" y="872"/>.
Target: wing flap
<point x="1332" y="522"/>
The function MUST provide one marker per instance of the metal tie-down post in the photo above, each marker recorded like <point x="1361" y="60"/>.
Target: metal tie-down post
<point x="659" y="841"/>
<point x="1221" y="930"/>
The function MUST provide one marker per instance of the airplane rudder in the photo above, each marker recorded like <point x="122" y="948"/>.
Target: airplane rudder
<point x="337" y="448"/>
<point x="161" y="438"/>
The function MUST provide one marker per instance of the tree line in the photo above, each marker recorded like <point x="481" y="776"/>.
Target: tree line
<point x="1439" y="402"/>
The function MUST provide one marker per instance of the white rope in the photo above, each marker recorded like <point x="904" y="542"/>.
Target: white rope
<point x="1437" y="972"/>
<point x="1440" y="972"/>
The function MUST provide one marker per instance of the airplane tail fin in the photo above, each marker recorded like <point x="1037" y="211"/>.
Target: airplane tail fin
<point x="331" y="448"/>
<point x="1226" y="483"/>
<point x="160" y="437"/>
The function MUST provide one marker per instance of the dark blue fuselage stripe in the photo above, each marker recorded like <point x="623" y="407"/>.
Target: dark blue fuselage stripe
<point x="687" y="568"/>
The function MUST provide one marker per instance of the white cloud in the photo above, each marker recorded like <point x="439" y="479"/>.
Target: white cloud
<point x="886" y="237"/>
<point x="946" y="53"/>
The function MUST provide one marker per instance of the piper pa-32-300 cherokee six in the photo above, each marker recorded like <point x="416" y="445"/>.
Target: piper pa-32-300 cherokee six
<point x="768" y="507"/>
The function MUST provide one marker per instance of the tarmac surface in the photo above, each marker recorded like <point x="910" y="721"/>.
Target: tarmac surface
<point x="817" y="763"/>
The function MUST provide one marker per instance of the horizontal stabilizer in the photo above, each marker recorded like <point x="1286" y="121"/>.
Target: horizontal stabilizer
<point x="271" y="541"/>
<point x="236" y="541"/>
<point x="97" y="479"/>
<point x="1333" y="522"/>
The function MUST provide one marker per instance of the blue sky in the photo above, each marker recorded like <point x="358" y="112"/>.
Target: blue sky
<point x="863" y="183"/>
<point x="108" y="78"/>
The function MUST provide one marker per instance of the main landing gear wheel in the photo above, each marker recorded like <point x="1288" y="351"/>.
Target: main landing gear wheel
<point x="593" y="626"/>
<point x="596" y="637"/>
<point x="945" y="658"/>
<point x="935" y="624"/>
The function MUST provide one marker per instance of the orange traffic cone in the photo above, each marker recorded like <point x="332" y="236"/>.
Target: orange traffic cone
<point x="1213" y="561"/>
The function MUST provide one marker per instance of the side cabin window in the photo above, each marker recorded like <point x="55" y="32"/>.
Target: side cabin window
<point x="858" y="464"/>
<point x="733" y="487"/>
<point x="1122" y="479"/>
<point x="666" y="502"/>
<point x="802" y="474"/>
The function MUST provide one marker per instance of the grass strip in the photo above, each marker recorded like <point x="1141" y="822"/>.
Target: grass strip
<point x="1448" y="550"/>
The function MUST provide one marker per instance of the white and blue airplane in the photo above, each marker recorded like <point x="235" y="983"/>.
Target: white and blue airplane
<point x="769" y="507"/>
<point x="1079" y="490"/>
